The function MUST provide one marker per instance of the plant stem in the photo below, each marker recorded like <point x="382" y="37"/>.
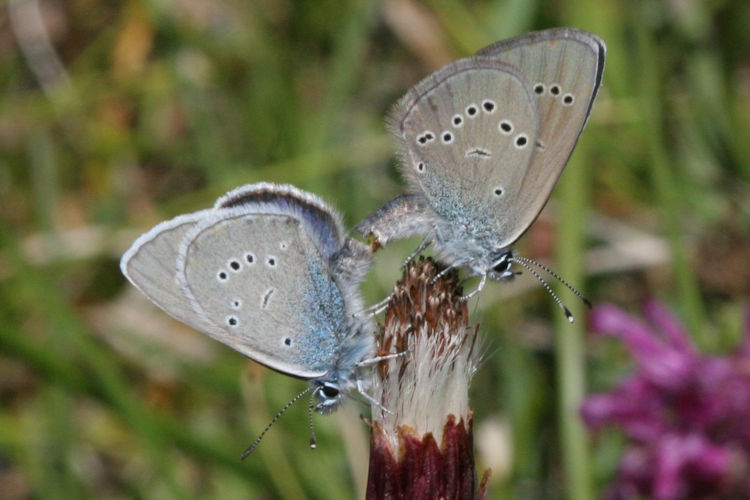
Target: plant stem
<point x="422" y="442"/>
<point x="569" y="339"/>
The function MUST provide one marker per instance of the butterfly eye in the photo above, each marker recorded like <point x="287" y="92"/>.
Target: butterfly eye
<point x="502" y="267"/>
<point x="330" y="391"/>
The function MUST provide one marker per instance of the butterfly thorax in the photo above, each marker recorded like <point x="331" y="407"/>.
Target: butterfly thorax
<point x="343" y="377"/>
<point x="461" y="245"/>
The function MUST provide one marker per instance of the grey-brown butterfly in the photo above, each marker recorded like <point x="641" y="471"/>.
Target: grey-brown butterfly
<point x="270" y="272"/>
<point x="483" y="141"/>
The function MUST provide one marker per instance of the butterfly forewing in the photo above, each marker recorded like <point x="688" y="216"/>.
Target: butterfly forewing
<point x="468" y="131"/>
<point x="151" y="265"/>
<point x="261" y="278"/>
<point x="564" y="68"/>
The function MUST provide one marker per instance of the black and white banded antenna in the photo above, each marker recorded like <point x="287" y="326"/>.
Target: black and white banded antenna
<point x="296" y="398"/>
<point x="310" y="408"/>
<point x="554" y="275"/>
<point x="534" y="273"/>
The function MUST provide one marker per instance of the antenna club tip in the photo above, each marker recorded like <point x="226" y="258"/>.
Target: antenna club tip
<point x="568" y="315"/>
<point x="313" y="445"/>
<point x="587" y="302"/>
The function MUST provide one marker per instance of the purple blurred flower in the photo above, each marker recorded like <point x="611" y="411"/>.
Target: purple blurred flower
<point x="686" y="414"/>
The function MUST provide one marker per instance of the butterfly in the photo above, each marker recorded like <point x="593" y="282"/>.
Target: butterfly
<point x="269" y="272"/>
<point x="483" y="141"/>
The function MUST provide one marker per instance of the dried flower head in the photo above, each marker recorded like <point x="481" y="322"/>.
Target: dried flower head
<point x="685" y="413"/>
<point x="422" y="444"/>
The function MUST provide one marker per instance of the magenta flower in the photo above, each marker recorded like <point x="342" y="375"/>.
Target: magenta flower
<point x="686" y="414"/>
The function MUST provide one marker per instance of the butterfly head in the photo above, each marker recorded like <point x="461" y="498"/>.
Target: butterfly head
<point x="500" y="266"/>
<point x="329" y="395"/>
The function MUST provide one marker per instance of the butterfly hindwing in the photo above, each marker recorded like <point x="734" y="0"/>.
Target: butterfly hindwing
<point x="261" y="278"/>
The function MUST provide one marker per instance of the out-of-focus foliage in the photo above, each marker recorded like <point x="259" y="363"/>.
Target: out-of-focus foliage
<point x="117" y="115"/>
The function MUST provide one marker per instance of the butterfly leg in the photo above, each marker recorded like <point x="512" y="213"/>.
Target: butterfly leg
<point x="443" y="273"/>
<point x="378" y="359"/>
<point x="425" y="243"/>
<point x="377" y="308"/>
<point x="361" y="389"/>
<point x="477" y="290"/>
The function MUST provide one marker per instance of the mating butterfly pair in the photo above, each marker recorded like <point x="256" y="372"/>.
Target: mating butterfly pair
<point x="269" y="270"/>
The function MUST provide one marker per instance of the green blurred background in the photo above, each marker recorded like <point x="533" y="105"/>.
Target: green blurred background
<point x="117" y="115"/>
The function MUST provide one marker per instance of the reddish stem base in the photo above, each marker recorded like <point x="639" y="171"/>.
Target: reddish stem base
<point x="423" y="470"/>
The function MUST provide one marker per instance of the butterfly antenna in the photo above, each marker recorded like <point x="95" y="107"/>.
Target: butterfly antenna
<point x="530" y="269"/>
<point x="310" y="408"/>
<point x="556" y="276"/>
<point x="255" y="444"/>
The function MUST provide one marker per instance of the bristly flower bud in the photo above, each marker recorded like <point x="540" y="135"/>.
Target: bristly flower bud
<point x="422" y="442"/>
